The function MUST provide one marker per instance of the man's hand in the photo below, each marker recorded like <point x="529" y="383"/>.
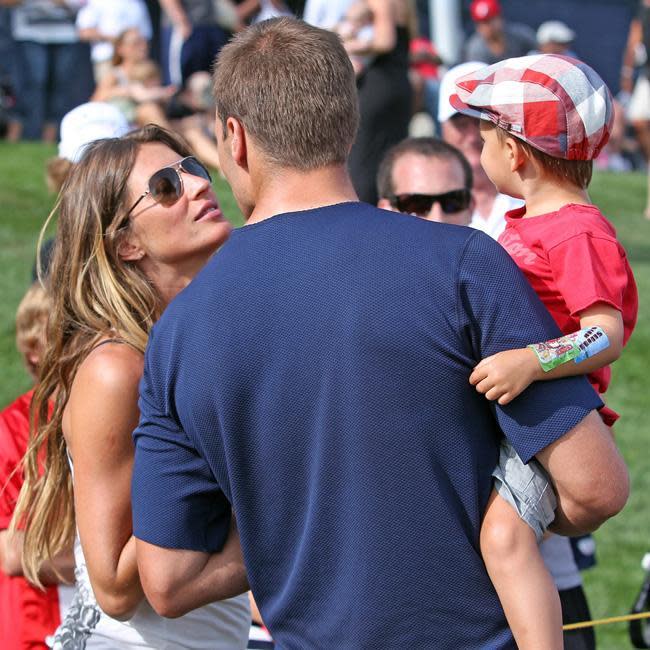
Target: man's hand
<point x="506" y="374"/>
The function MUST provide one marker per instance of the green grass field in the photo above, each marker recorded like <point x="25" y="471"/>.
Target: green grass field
<point x="612" y="586"/>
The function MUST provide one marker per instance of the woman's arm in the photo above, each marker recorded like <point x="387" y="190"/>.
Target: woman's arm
<point x="100" y="417"/>
<point x="384" y="35"/>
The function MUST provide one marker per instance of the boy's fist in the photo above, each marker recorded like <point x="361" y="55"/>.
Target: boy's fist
<point x="504" y="375"/>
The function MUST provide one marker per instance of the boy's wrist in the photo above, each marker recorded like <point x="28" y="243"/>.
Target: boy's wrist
<point x="577" y="346"/>
<point x="537" y="371"/>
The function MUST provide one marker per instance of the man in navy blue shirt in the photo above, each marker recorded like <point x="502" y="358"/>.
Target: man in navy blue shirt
<point x="313" y="379"/>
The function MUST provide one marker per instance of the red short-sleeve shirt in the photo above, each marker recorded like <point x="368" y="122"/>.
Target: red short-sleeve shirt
<point x="573" y="261"/>
<point x="27" y="614"/>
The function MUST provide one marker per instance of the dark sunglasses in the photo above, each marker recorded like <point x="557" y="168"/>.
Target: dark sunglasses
<point x="166" y="185"/>
<point x="421" y="204"/>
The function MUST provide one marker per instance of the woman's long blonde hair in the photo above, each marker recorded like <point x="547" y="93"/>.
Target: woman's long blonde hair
<point x="94" y="293"/>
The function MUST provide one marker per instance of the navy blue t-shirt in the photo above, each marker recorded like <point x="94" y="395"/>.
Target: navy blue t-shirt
<point x="314" y="376"/>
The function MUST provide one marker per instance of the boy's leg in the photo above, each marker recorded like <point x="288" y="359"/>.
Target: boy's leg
<point x="525" y="588"/>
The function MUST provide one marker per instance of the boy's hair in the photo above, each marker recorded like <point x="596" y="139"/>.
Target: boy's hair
<point x="427" y="147"/>
<point x="293" y="88"/>
<point x="31" y="321"/>
<point x="577" y="172"/>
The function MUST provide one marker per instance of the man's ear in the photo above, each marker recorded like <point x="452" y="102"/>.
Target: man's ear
<point x="384" y="204"/>
<point x="238" y="142"/>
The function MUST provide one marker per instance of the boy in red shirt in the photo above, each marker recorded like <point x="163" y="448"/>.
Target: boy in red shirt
<point x="544" y="118"/>
<point x="27" y="614"/>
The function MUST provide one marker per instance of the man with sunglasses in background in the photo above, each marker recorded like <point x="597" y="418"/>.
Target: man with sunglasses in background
<point x="427" y="178"/>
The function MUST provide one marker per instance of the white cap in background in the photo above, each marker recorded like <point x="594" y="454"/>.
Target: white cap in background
<point x="555" y="31"/>
<point x="448" y="87"/>
<point x="87" y="123"/>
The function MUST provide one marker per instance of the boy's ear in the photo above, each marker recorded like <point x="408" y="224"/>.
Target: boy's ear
<point x="517" y="155"/>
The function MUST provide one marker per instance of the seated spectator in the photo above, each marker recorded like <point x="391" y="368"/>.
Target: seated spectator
<point x="494" y="38"/>
<point x="27" y="614"/>
<point x="100" y="22"/>
<point x="134" y="83"/>
<point x="134" y="87"/>
<point x="427" y="178"/>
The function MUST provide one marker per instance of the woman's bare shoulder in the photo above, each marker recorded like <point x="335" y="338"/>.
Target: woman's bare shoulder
<point x="111" y="364"/>
<point x="103" y="400"/>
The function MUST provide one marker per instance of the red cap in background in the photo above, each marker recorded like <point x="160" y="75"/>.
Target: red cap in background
<point x="484" y="10"/>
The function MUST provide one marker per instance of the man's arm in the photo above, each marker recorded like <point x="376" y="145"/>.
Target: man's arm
<point x="177" y="581"/>
<point x="589" y="477"/>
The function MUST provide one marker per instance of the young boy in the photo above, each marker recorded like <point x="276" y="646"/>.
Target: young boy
<point x="544" y="118"/>
<point x="28" y="615"/>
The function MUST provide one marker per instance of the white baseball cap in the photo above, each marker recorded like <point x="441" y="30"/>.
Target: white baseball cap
<point x="554" y="31"/>
<point x="87" y="123"/>
<point x="448" y="87"/>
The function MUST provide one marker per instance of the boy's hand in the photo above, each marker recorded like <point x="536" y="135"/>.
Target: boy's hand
<point x="504" y="375"/>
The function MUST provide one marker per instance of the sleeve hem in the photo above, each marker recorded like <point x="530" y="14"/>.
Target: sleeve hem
<point x="585" y="303"/>
<point x="579" y="416"/>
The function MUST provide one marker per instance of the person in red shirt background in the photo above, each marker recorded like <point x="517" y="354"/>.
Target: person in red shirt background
<point x="424" y="74"/>
<point x="28" y="615"/>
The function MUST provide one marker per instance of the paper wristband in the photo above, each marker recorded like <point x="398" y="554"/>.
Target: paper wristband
<point x="576" y="346"/>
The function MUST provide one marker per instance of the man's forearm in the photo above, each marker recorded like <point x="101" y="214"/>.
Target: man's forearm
<point x="178" y="581"/>
<point x="589" y="477"/>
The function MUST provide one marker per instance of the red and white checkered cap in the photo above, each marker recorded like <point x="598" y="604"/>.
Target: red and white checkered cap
<point x="556" y="104"/>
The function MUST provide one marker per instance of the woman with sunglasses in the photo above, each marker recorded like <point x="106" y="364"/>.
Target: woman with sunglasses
<point x="137" y="219"/>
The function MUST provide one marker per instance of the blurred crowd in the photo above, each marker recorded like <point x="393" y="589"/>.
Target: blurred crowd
<point x="73" y="71"/>
<point x="150" y="58"/>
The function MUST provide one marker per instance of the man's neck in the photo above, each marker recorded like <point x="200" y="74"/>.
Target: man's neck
<point x="484" y="196"/>
<point x="291" y="190"/>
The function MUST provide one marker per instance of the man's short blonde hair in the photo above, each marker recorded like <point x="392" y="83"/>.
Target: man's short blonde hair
<point x="293" y="88"/>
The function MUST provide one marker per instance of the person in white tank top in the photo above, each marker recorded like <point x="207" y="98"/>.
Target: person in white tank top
<point x="137" y="220"/>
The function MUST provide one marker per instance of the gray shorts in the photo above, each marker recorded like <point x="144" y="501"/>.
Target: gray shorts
<point x="526" y="488"/>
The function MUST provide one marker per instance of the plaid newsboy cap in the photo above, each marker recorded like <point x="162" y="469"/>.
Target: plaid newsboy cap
<point x="556" y="104"/>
